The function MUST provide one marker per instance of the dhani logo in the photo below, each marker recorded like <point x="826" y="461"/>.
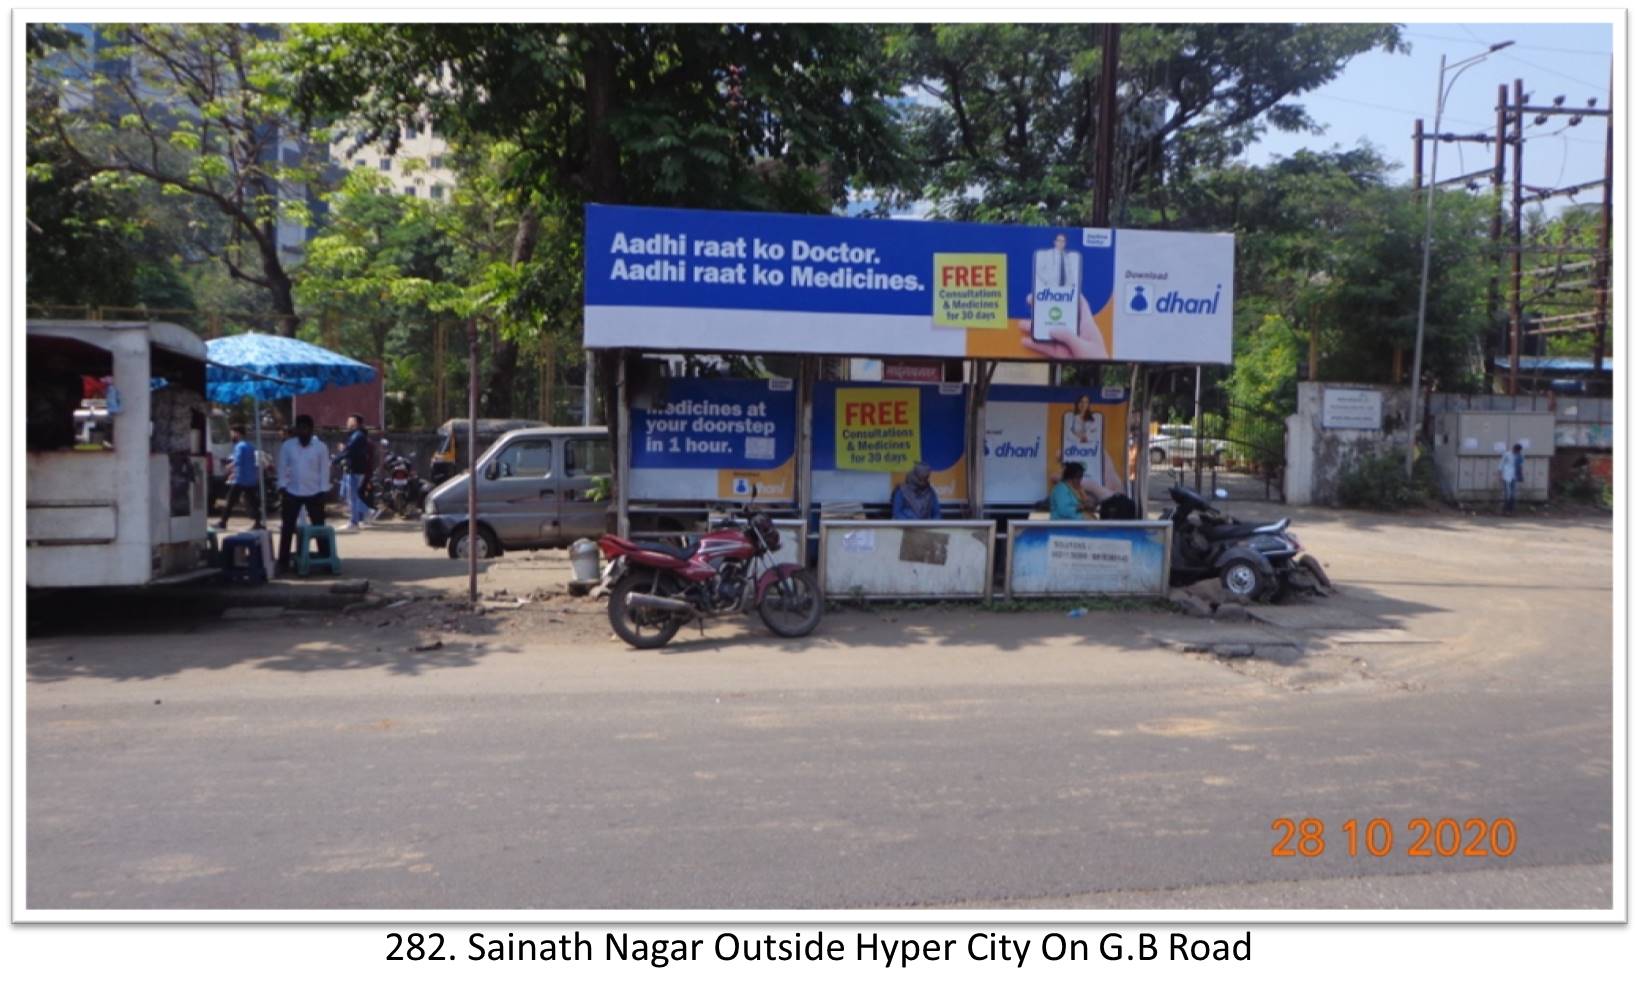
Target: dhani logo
<point x="1146" y="299"/>
<point x="1009" y="450"/>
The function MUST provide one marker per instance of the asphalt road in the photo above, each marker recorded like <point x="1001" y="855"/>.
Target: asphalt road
<point x="900" y="758"/>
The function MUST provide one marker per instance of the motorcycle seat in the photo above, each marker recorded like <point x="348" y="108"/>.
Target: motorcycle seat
<point x="668" y="549"/>
<point x="1240" y="530"/>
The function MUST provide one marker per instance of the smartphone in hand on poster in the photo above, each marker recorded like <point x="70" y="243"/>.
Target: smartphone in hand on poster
<point x="1056" y="286"/>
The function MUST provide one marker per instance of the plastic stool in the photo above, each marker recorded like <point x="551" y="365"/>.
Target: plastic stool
<point x="242" y="559"/>
<point x="306" y="560"/>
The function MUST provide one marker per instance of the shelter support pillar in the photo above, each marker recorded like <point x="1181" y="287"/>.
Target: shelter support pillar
<point x="622" y="466"/>
<point x="806" y="375"/>
<point x="984" y="373"/>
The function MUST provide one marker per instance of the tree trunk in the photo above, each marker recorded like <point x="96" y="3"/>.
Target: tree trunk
<point x="603" y="182"/>
<point x="503" y="366"/>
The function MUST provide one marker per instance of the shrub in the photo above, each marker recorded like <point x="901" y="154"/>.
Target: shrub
<point x="1378" y="482"/>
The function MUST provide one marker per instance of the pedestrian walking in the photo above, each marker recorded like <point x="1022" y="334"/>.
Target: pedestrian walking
<point x="354" y="459"/>
<point x="304" y="477"/>
<point x="1512" y="472"/>
<point x="245" y="478"/>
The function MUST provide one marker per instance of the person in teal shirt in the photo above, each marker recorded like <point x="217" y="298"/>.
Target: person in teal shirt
<point x="1073" y="495"/>
<point x="1065" y="500"/>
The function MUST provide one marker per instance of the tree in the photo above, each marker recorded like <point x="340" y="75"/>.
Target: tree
<point x="720" y="116"/>
<point x="92" y="239"/>
<point x="381" y="260"/>
<point x="201" y="113"/>
<point x="1005" y="124"/>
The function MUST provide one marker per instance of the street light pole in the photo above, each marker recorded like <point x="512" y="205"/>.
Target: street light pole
<point x="1427" y="242"/>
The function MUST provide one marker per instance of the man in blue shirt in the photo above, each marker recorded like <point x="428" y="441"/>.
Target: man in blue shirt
<point x="355" y="461"/>
<point x="1512" y="472"/>
<point x="243" y="478"/>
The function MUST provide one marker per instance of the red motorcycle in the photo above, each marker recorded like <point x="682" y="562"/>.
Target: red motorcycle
<point x="656" y="588"/>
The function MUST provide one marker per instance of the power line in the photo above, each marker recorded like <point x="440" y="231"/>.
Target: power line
<point x="1396" y="110"/>
<point x="1535" y="48"/>
<point x="1551" y="72"/>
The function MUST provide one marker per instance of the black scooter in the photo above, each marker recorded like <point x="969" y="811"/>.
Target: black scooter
<point x="1254" y="560"/>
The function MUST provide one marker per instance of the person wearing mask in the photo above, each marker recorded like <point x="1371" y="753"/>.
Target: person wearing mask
<point x="354" y="459"/>
<point x="304" y="478"/>
<point x="916" y="498"/>
<point x="244" y="479"/>
<point x="1512" y="472"/>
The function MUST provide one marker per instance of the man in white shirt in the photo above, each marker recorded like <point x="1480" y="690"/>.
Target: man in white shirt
<point x="304" y="480"/>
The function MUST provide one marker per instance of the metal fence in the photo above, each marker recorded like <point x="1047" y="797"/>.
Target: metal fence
<point x="1238" y="449"/>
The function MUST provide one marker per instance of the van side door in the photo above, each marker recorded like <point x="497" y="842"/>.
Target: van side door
<point x="585" y="459"/>
<point x="520" y="501"/>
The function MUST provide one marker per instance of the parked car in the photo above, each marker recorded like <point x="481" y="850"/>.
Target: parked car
<point x="451" y="457"/>
<point x="1177" y="443"/>
<point x="535" y="492"/>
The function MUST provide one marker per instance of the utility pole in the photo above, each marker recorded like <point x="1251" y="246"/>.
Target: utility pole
<point x="1515" y="316"/>
<point x="1416" y="160"/>
<point x="472" y="459"/>
<point x="1605" y="271"/>
<point x="1427" y="241"/>
<point x="1493" y="328"/>
<point x="1104" y="167"/>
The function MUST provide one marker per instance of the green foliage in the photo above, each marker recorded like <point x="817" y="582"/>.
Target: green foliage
<point x="1008" y="130"/>
<point x="1265" y="367"/>
<point x="1378" y="482"/>
<point x="192" y="112"/>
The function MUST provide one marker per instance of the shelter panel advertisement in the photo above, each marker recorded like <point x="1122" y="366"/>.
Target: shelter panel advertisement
<point x="735" y="281"/>
<point x="708" y="440"/>
<point x="1088" y="558"/>
<point x="866" y="437"/>
<point x="1030" y="432"/>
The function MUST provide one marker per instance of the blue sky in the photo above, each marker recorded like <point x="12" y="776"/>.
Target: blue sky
<point x="1378" y="98"/>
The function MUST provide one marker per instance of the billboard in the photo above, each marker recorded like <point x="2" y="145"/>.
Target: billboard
<point x="1030" y="432"/>
<point x="705" y="440"/>
<point x="734" y="281"/>
<point x="866" y="437"/>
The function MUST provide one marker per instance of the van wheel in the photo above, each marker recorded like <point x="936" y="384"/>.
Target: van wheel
<point x="1157" y="455"/>
<point x="488" y="545"/>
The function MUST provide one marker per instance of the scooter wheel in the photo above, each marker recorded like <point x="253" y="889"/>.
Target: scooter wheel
<point x="1243" y="578"/>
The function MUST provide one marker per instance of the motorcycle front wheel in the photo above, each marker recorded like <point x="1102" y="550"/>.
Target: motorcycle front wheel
<point x="645" y="629"/>
<point x="793" y="606"/>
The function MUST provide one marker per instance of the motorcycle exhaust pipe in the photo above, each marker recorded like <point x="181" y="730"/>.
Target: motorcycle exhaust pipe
<point x="638" y="600"/>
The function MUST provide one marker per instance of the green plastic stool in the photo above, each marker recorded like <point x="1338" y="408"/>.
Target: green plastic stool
<point x="306" y="560"/>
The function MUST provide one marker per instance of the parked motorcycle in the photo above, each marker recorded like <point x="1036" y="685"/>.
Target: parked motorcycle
<point x="1254" y="560"/>
<point x="399" y="490"/>
<point x="656" y="588"/>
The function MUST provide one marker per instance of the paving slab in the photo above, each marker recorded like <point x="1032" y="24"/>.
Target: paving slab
<point x="1310" y="616"/>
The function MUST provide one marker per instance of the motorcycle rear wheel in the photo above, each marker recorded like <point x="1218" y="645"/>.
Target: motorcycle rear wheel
<point x="793" y="606"/>
<point x="645" y="629"/>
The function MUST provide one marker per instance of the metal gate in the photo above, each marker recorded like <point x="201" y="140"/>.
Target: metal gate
<point x="1237" y="449"/>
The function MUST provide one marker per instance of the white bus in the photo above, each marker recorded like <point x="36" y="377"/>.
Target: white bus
<point x="116" y="490"/>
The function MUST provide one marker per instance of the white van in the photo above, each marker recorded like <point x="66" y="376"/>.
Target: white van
<point x="116" y="491"/>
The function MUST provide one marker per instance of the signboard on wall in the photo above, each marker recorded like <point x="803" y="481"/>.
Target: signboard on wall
<point x="733" y="281"/>
<point x="867" y="436"/>
<point x="1030" y="432"/>
<point x="708" y="440"/>
<point x="1348" y="408"/>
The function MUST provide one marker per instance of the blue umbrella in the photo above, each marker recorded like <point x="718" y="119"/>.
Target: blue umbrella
<point x="267" y="367"/>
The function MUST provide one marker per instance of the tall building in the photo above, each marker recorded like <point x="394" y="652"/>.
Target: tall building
<point x="420" y="167"/>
